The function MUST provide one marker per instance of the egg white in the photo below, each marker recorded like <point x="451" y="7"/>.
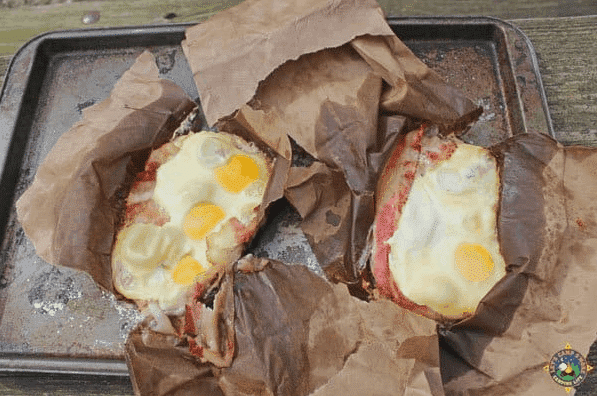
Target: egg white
<point x="188" y="178"/>
<point x="156" y="249"/>
<point x="454" y="202"/>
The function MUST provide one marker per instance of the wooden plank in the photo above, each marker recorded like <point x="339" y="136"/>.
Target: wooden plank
<point x="18" y="25"/>
<point x="22" y="22"/>
<point x="504" y="9"/>
<point x="568" y="64"/>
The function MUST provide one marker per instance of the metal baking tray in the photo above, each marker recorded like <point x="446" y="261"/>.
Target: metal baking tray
<point x="56" y="320"/>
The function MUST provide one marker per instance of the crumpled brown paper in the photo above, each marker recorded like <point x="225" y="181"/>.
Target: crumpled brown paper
<point x="71" y="210"/>
<point x="245" y="43"/>
<point x="296" y="334"/>
<point x="320" y="72"/>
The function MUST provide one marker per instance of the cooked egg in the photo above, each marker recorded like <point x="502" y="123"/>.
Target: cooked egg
<point x="214" y="184"/>
<point x="445" y="253"/>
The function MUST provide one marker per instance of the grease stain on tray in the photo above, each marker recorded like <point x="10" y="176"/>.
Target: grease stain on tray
<point x="474" y="71"/>
<point x="51" y="292"/>
<point x="165" y="59"/>
<point x="60" y="310"/>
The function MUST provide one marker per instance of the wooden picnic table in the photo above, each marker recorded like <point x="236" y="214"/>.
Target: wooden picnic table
<point x="563" y="34"/>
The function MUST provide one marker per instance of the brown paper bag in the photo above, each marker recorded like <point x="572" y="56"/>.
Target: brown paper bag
<point x="245" y="43"/>
<point x="296" y="334"/>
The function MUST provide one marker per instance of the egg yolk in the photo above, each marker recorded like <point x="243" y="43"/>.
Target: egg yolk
<point x="201" y="219"/>
<point x="473" y="261"/>
<point x="186" y="270"/>
<point x="238" y="173"/>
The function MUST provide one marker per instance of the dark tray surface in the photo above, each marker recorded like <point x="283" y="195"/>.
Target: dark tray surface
<point x="45" y="311"/>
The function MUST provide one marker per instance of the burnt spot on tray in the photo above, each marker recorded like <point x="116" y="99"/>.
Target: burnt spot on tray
<point x="51" y="291"/>
<point x="473" y="70"/>
<point x="15" y="233"/>
<point x="84" y="105"/>
<point x="165" y="60"/>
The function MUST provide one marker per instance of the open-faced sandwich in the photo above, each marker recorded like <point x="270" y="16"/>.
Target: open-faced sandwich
<point x="436" y="248"/>
<point x="189" y="212"/>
